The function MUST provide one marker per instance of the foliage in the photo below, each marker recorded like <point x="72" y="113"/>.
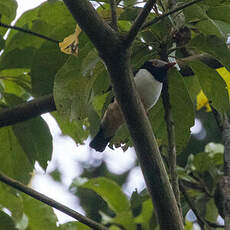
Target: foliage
<point x="32" y="67"/>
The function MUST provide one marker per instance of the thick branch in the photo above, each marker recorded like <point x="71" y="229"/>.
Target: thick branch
<point x="39" y="196"/>
<point x="157" y="19"/>
<point x="138" y="23"/>
<point x="28" y="32"/>
<point x="27" y="110"/>
<point x="145" y="144"/>
<point x="99" y="32"/>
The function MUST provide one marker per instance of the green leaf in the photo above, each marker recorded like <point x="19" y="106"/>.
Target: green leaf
<point x="12" y="157"/>
<point x="8" y="12"/>
<point x="12" y="59"/>
<point x="72" y="89"/>
<point x="110" y="192"/>
<point x="39" y="147"/>
<point x="47" y="61"/>
<point x="214" y="46"/>
<point x="73" y="226"/>
<point x="6" y="221"/>
<point x="212" y="84"/>
<point x="40" y="216"/>
<point x="194" y="13"/>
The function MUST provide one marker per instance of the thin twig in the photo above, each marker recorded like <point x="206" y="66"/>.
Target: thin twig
<point x="113" y="7"/>
<point x="138" y="23"/>
<point x="157" y="19"/>
<point x="191" y="204"/>
<point x="41" y="197"/>
<point x="28" y="32"/>
<point x="171" y="142"/>
<point x="27" y="110"/>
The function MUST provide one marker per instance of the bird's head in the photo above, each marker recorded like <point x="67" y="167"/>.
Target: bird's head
<point x="158" y="68"/>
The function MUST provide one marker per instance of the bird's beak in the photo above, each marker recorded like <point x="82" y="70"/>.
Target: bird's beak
<point x="170" y="65"/>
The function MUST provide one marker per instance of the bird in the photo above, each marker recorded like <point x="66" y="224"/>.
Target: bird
<point x="149" y="81"/>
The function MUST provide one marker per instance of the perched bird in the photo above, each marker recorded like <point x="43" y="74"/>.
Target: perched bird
<point x="148" y="80"/>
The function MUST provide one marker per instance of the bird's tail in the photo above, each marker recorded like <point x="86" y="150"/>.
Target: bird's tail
<point x="99" y="142"/>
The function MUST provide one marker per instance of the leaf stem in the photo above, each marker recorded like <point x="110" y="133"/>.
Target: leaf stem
<point x="28" y="32"/>
<point x="157" y="19"/>
<point x="39" y="196"/>
<point x="138" y="23"/>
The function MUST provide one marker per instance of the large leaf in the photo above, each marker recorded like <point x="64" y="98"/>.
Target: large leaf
<point x="73" y="87"/>
<point x="36" y="140"/>
<point x="47" y="61"/>
<point x="33" y="136"/>
<point x="40" y="216"/>
<point x="212" y="84"/>
<point x="110" y="192"/>
<point x="214" y="46"/>
<point x="12" y="157"/>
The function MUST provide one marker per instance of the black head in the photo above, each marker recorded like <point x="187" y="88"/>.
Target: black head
<point x="158" y="68"/>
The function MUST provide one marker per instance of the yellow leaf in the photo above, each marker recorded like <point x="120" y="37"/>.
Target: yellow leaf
<point x="70" y="43"/>
<point x="226" y="76"/>
<point x="202" y="101"/>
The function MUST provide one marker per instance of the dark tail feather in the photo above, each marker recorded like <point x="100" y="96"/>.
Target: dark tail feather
<point x="99" y="142"/>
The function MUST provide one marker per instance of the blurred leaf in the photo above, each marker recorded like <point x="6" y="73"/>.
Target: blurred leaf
<point x="211" y="211"/>
<point x="12" y="157"/>
<point x="224" y="73"/>
<point x="212" y="84"/>
<point x="6" y="221"/>
<point x="125" y="219"/>
<point x="194" y="13"/>
<point x="11" y="200"/>
<point x="214" y="46"/>
<point x="74" y="226"/>
<point x="40" y="215"/>
<point x="110" y="192"/>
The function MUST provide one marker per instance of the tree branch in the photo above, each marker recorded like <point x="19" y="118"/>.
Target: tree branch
<point x="103" y="36"/>
<point x="138" y="23"/>
<point x="171" y="142"/>
<point x="157" y="19"/>
<point x="27" y="110"/>
<point x="39" y="196"/>
<point x="28" y="32"/>
<point x="113" y="7"/>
